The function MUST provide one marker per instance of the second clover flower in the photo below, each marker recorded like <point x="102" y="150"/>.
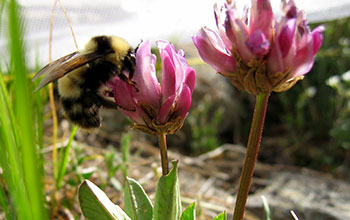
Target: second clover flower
<point x="157" y="108"/>
<point x="260" y="51"/>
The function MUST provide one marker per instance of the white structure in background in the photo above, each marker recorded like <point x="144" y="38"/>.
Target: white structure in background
<point x="134" y="20"/>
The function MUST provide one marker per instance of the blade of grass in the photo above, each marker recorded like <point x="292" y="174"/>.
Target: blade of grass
<point x="10" y="158"/>
<point x="39" y="100"/>
<point x="266" y="208"/>
<point x="4" y="203"/>
<point x="23" y="104"/>
<point x="64" y="160"/>
<point x="2" y="6"/>
<point x="294" y="215"/>
<point x="125" y="146"/>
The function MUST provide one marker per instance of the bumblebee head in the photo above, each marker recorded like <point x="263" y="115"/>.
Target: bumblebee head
<point x="115" y="48"/>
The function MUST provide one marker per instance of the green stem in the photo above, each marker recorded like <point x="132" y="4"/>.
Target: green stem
<point x="251" y="154"/>
<point x="163" y="153"/>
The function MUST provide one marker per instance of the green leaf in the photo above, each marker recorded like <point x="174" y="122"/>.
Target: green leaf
<point x="189" y="213"/>
<point x="64" y="161"/>
<point x="137" y="203"/>
<point x="221" y="216"/>
<point x="95" y="204"/>
<point x="167" y="204"/>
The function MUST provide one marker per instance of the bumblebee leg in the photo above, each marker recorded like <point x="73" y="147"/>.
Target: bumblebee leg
<point x="109" y="104"/>
<point x="129" y="110"/>
<point x="129" y="64"/>
<point x="128" y="80"/>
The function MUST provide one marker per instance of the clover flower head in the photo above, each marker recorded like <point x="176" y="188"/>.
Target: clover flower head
<point x="157" y="107"/>
<point x="260" y="51"/>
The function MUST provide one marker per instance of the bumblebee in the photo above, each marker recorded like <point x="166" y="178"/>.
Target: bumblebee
<point x="82" y="77"/>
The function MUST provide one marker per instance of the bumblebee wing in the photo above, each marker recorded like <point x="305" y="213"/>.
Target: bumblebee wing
<point x="64" y="65"/>
<point x="51" y="66"/>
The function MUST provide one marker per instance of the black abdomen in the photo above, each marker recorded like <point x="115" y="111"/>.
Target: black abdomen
<point x="83" y="111"/>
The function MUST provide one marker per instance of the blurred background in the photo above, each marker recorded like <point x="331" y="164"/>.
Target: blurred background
<point x="307" y="127"/>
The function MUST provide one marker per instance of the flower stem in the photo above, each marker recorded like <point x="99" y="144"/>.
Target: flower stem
<point x="163" y="153"/>
<point x="251" y="154"/>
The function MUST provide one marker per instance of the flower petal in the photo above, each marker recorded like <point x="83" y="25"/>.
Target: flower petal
<point x="124" y="98"/>
<point x="168" y="79"/>
<point x="123" y="95"/>
<point x="145" y="76"/>
<point x="212" y="50"/>
<point x="275" y="59"/>
<point x="304" y="58"/>
<point x="317" y="37"/>
<point x="238" y="32"/>
<point x="221" y="26"/>
<point x="190" y="80"/>
<point x="183" y="102"/>
<point x="261" y="18"/>
<point x="258" y="44"/>
<point x="176" y="60"/>
<point x="283" y="49"/>
<point x="290" y="9"/>
<point x="164" y="110"/>
<point x="286" y="36"/>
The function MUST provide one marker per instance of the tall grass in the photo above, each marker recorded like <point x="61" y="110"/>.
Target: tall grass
<point x="21" y="194"/>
